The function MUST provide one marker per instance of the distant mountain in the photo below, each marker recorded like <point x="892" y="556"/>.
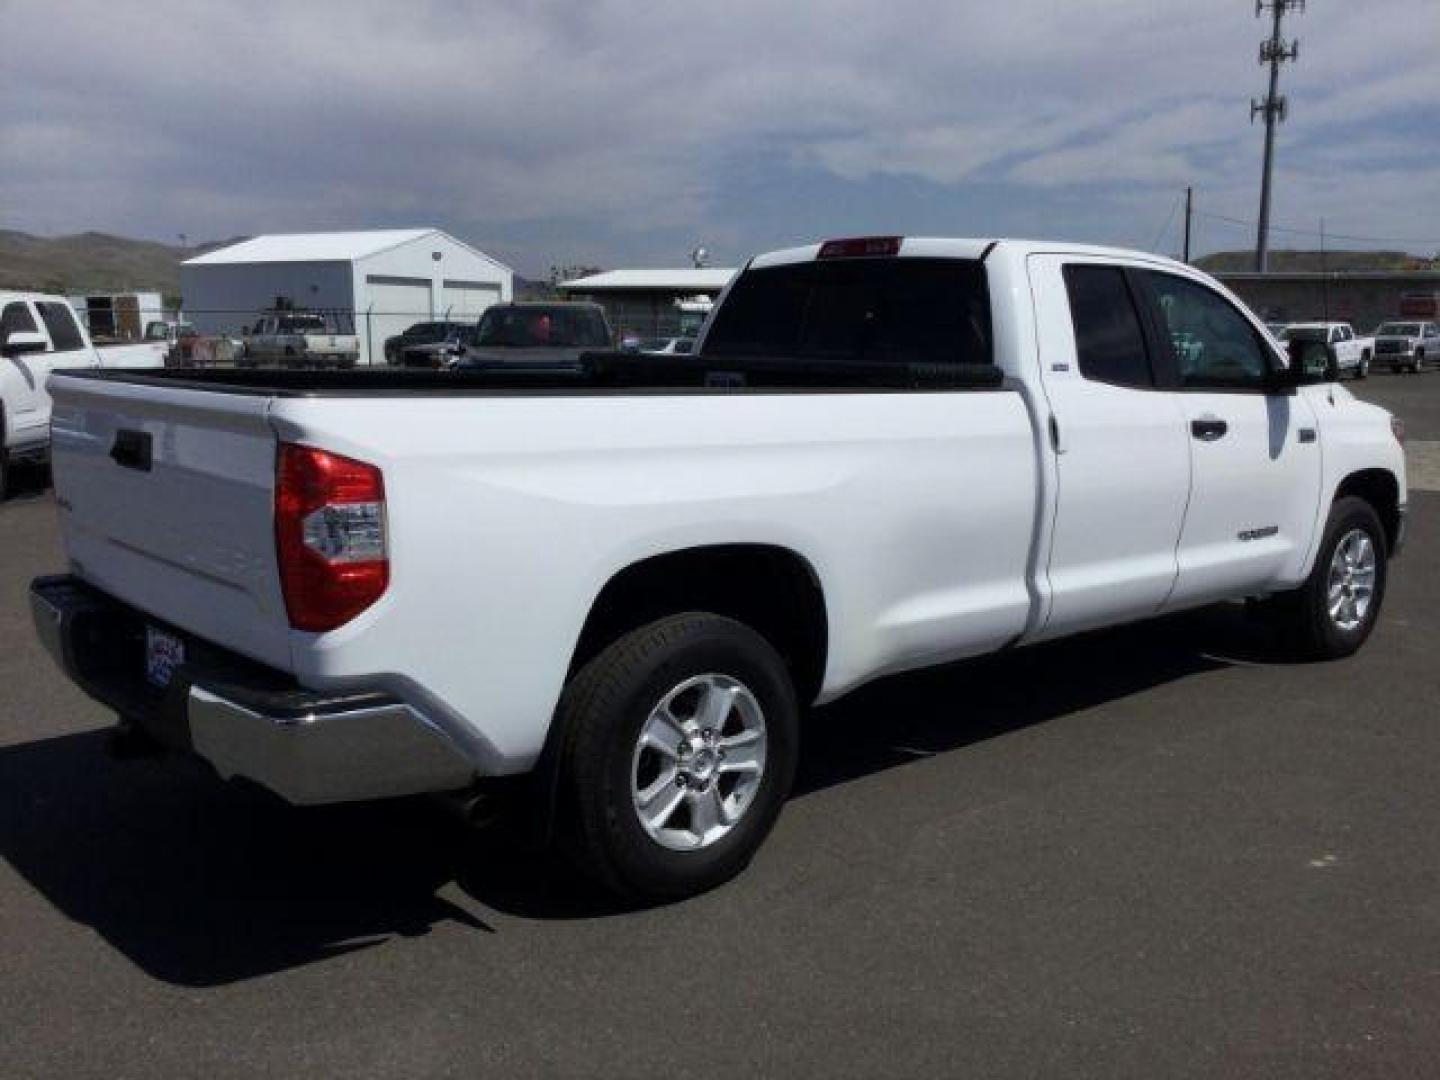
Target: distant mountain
<point x="1222" y="262"/>
<point x="93" y="261"/>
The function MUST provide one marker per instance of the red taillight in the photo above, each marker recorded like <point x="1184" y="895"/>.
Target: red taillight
<point x="329" y="536"/>
<point x="1397" y="428"/>
<point x="859" y="246"/>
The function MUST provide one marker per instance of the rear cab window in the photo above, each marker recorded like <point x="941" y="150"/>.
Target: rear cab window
<point x="1109" y="340"/>
<point x="873" y="310"/>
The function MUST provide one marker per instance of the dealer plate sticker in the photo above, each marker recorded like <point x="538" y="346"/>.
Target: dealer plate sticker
<point x="163" y="654"/>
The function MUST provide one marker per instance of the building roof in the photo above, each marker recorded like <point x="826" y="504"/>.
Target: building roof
<point x="322" y="247"/>
<point x="678" y="279"/>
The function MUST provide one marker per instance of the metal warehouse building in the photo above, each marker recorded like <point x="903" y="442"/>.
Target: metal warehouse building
<point x="647" y="303"/>
<point x="382" y="279"/>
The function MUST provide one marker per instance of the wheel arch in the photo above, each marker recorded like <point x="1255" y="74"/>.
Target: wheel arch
<point x="1381" y="489"/>
<point x="772" y="589"/>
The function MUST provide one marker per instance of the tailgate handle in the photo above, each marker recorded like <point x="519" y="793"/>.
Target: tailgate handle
<point x="131" y="449"/>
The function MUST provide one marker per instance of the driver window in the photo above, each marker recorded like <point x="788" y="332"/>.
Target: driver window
<point x="1215" y="346"/>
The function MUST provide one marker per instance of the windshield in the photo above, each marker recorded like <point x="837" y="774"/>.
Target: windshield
<point x="1399" y="329"/>
<point x="1307" y="333"/>
<point x="932" y="311"/>
<point x="554" y="326"/>
<point x="428" y="331"/>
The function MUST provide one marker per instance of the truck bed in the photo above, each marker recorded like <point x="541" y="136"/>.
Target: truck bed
<point x="593" y="372"/>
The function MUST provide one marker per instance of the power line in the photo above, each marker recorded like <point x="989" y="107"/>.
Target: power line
<point x="1292" y="230"/>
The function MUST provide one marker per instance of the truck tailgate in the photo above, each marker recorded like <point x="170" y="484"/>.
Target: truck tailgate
<point x="166" y="502"/>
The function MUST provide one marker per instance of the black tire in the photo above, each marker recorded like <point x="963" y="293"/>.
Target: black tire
<point x="1419" y="361"/>
<point x="601" y="713"/>
<point x="4" y="466"/>
<point x="1363" y="371"/>
<point x="1302" y="617"/>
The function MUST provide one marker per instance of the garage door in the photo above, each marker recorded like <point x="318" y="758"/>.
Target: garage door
<point x="465" y="300"/>
<point x="394" y="304"/>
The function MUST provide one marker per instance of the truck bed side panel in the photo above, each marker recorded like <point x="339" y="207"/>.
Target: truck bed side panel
<point x="508" y="515"/>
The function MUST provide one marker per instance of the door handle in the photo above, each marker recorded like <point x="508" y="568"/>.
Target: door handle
<point x="1209" y="428"/>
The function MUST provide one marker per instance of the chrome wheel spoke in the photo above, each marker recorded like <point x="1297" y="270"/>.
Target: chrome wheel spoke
<point x="707" y="810"/>
<point x="662" y="733"/>
<point x="658" y="802"/>
<point x="715" y="707"/>
<point x="746" y="757"/>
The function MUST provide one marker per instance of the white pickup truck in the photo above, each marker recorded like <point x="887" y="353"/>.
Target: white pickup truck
<point x="623" y="577"/>
<point x="40" y="334"/>
<point x="1351" y="352"/>
<point x="299" y="339"/>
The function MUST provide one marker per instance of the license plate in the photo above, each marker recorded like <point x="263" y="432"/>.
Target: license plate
<point x="163" y="654"/>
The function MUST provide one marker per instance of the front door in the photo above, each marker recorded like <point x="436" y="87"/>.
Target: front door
<point x="1254" y="453"/>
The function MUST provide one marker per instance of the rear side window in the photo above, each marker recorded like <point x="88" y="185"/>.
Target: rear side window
<point x="16" y="318"/>
<point x="1109" y="343"/>
<point x="60" y="321"/>
<point x="919" y="311"/>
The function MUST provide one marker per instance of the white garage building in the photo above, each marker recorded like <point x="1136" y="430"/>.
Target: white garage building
<point x="383" y="279"/>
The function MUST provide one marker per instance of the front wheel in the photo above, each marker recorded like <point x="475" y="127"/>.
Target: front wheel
<point x="1332" y="614"/>
<point x="1363" y="371"/>
<point x="677" y="752"/>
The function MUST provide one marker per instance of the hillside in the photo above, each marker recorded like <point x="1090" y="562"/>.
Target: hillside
<point x="104" y="263"/>
<point x="91" y="260"/>
<point x="1224" y="262"/>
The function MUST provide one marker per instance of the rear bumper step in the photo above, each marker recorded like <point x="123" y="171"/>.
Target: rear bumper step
<point x="243" y="718"/>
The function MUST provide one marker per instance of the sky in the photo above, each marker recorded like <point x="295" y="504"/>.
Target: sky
<point x="626" y="132"/>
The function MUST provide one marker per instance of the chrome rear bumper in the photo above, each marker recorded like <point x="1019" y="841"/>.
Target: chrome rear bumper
<point x="245" y="719"/>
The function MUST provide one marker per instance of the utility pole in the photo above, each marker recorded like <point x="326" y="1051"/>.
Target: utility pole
<point x="1189" y="210"/>
<point x="1273" y="51"/>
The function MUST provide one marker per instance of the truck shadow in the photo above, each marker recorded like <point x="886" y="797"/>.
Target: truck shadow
<point x="202" y="883"/>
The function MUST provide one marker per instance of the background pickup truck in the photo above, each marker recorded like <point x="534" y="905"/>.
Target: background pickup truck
<point x="1406" y="345"/>
<point x="40" y="334"/>
<point x="626" y="577"/>
<point x="1352" y="354"/>
<point x="299" y="339"/>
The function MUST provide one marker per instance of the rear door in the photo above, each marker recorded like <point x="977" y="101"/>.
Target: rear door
<point x="166" y="501"/>
<point x="1254" y="453"/>
<point x="1121" y="452"/>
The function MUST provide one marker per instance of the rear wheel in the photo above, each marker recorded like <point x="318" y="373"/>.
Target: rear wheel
<point x="678" y="748"/>
<point x="1332" y="614"/>
<point x="1363" y="371"/>
<point x="4" y="465"/>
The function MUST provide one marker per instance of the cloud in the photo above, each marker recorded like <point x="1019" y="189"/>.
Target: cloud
<point x="626" y="130"/>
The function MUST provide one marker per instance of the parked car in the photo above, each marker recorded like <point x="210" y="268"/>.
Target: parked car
<point x="300" y="339"/>
<point x="186" y="346"/>
<point x="1351" y="353"/>
<point x="535" y="334"/>
<point x="1405" y="346"/>
<point x="421" y="333"/>
<point x="40" y="334"/>
<point x="887" y="453"/>
<point x="441" y="353"/>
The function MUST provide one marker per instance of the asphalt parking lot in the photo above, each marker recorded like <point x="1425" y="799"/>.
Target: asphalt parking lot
<point x="1155" y="851"/>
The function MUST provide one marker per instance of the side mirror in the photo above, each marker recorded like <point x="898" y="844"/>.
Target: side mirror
<point x="20" y="342"/>
<point x="1310" y="362"/>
